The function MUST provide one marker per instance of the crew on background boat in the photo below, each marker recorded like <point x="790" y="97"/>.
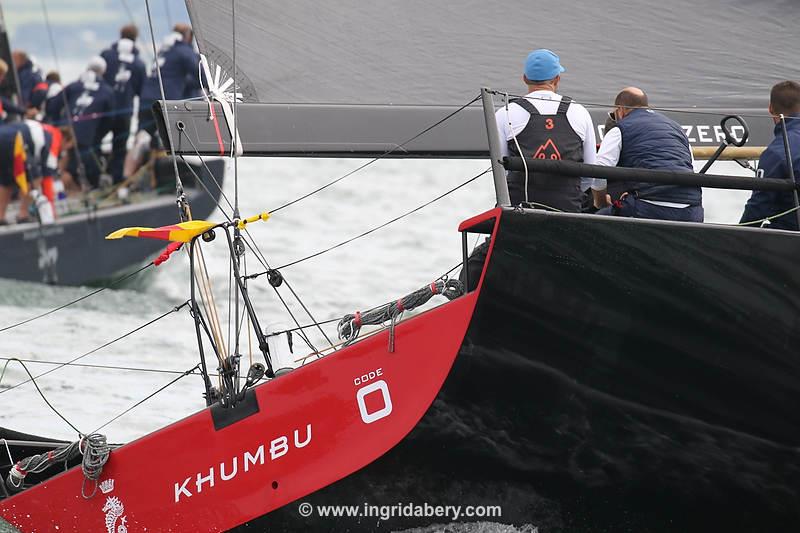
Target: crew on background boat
<point x="39" y="161"/>
<point x="784" y="99"/>
<point x="99" y="102"/>
<point x="545" y="125"/>
<point x="12" y="172"/>
<point x="32" y="85"/>
<point x="179" y="74"/>
<point x="54" y="88"/>
<point x="8" y="109"/>
<point x="125" y="73"/>
<point x="91" y="104"/>
<point x="643" y="138"/>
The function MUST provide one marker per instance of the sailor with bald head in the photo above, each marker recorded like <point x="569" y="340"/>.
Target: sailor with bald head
<point x="643" y="138"/>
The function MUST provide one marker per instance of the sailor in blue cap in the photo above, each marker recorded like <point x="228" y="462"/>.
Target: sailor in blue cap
<point x="545" y="125"/>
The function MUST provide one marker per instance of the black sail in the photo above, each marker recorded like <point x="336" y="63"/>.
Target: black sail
<point x="352" y="78"/>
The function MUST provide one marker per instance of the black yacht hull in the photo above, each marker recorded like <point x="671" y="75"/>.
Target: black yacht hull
<point x="73" y="251"/>
<point x="617" y="375"/>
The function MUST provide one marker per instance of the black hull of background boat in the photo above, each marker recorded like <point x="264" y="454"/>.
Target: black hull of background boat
<point x="617" y="375"/>
<point x="73" y="251"/>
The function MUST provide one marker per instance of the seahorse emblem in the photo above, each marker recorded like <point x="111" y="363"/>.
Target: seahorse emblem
<point x="114" y="510"/>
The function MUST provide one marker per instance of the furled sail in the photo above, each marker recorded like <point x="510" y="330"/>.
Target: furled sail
<point x="356" y="78"/>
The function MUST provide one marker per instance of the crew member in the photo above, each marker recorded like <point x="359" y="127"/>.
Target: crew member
<point x="545" y="125"/>
<point x="91" y="104"/>
<point x="125" y="73"/>
<point x="54" y="88"/>
<point x="8" y="109"/>
<point x="179" y="73"/>
<point x="784" y="99"/>
<point x="12" y="171"/>
<point x="33" y="87"/>
<point x="643" y="138"/>
<point x="542" y="125"/>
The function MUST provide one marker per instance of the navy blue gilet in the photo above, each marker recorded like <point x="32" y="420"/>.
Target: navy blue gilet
<point x="651" y="140"/>
<point x="547" y="137"/>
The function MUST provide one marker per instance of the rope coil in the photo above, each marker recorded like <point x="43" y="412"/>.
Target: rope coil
<point x="95" y="451"/>
<point x="350" y="325"/>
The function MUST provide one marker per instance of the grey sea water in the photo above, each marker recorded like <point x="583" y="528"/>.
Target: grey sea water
<point x="377" y="268"/>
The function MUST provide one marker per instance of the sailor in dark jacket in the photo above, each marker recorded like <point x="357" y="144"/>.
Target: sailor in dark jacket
<point x="179" y="65"/>
<point x="643" y="138"/>
<point x="8" y="110"/>
<point x="31" y="83"/>
<point x="54" y="88"/>
<point x="91" y="104"/>
<point x="125" y="73"/>
<point x="784" y="100"/>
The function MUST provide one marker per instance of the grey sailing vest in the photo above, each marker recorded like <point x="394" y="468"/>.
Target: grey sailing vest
<point x="547" y="137"/>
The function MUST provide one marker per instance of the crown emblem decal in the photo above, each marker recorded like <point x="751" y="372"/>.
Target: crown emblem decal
<point x="106" y="486"/>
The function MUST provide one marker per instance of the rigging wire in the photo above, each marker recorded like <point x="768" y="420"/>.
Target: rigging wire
<point x="67" y="112"/>
<point x="178" y="183"/>
<point x="127" y="9"/>
<point x="337" y="319"/>
<point x="234" y="136"/>
<point x="168" y="12"/>
<point x="662" y="109"/>
<point x="377" y="158"/>
<point x="235" y="257"/>
<point x="109" y="343"/>
<point x="87" y="365"/>
<point x="253" y="247"/>
<point x="376" y="228"/>
<point x="767" y="220"/>
<point x="32" y="379"/>
<point x="189" y="372"/>
<point x="262" y="259"/>
<point x="85" y="296"/>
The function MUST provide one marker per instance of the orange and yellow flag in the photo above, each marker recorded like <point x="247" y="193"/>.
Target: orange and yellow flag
<point x="182" y="232"/>
<point x="19" y="164"/>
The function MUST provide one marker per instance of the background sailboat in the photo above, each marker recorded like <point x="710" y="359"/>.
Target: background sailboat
<point x="71" y="251"/>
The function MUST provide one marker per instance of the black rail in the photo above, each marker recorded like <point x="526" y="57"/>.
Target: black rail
<point x="668" y="177"/>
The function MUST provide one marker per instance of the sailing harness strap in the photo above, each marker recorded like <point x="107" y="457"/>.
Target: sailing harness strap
<point x="350" y="325"/>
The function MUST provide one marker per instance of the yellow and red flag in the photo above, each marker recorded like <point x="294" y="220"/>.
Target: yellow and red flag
<point x="19" y="164"/>
<point x="182" y="232"/>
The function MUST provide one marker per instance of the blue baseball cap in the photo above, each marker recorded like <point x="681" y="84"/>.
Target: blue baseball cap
<point x="541" y="65"/>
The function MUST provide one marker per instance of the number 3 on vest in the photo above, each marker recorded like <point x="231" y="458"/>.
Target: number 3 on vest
<point x="548" y="123"/>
